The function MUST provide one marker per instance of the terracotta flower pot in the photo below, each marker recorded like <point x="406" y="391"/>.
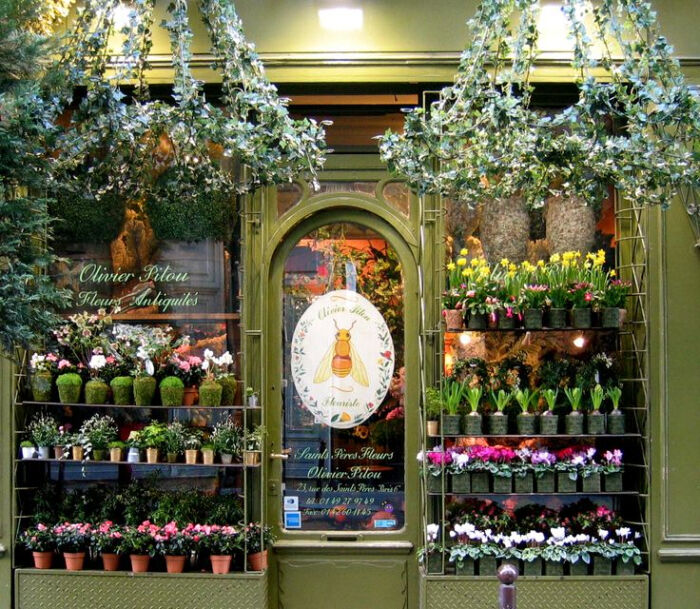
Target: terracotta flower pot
<point x="42" y="560"/>
<point x="257" y="561"/>
<point x="190" y="396"/>
<point x="110" y="562"/>
<point x="139" y="562"/>
<point x="74" y="560"/>
<point x="58" y="452"/>
<point x="220" y="565"/>
<point x="175" y="564"/>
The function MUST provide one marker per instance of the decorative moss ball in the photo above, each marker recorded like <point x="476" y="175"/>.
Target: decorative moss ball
<point x="144" y="390"/>
<point x="210" y="393"/>
<point x="69" y="386"/>
<point x="122" y="390"/>
<point x="172" y="391"/>
<point x="96" y="391"/>
<point x="228" y="393"/>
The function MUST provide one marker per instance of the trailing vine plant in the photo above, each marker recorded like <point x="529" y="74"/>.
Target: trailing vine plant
<point x="481" y="140"/>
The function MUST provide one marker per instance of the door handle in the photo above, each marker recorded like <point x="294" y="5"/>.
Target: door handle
<point x="283" y="455"/>
<point x="3" y="550"/>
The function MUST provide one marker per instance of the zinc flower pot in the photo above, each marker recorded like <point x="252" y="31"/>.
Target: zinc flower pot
<point x="466" y="567"/>
<point x="545" y="482"/>
<point x="226" y="458"/>
<point x="151" y="455"/>
<point x="480" y="482"/>
<point x="532" y="319"/>
<point x="257" y="561"/>
<point x="556" y="318"/>
<point x="602" y="566"/>
<point x="549" y="424"/>
<point x="42" y="560"/>
<point x="497" y="424"/>
<point x="616" y="422"/>
<point x="139" y="562"/>
<point x="503" y="484"/>
<point x="133" y="455"/>
<point x="78" y="453"/>
<point x="28" y="452"/>
<point x="74" y="560"/>
<point x="591" y="484"/>
<point x="431" y="428"/>
<point x="565" y="484"/>
<point x="595" y="423"/>
<point x="473" y="424"/>
<point x="552" y="567"/>
<point x="581" y="318"/>
<point x="613" y="482"/>
<point x="96" y="391"/>
<point x="624" y="568"/>
<point x="110" y="562"/>
<point x="44" y="452"/>
<point x="174" y="564"/>
<point x="574" y="424"/>
<point x="208" y="456"/>
<point x="144" y="390"/>
<point x="579" y="568"/>
<point x="454" y="320"/>
<point x="487" y="565"/>
<point x="506" y="322"/>
<point x="122" y="390"/>
<point x="527" y="424"/>
<point x="532" y="567"/>
<point x="191" y="456"/>
<point x="220" y="565"/>
<point x="477" y="321"/>
<point x="524" y="484"/>
<point x="228" y="390"/>
<point x="461" y="482"/>
<point x="434" y="484"/>
<point x="41" y="386"/>
<point x="451" y="424"/>
<point x="610" y="317"/>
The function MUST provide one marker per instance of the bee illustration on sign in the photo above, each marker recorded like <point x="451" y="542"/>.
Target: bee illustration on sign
<point x="342" y="360"/>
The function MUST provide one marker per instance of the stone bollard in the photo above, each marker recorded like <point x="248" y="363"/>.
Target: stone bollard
<point x="507" y="574"/>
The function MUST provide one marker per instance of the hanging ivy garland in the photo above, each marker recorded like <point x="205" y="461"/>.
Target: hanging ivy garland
<point x="177" y="158"/>
<point x="482" y="141"/>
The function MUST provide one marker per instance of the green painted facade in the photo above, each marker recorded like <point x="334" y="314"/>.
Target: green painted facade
<point x="413" y="41"/>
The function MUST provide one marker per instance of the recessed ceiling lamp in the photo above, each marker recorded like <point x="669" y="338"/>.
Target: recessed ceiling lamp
<point x="341" y="18"/>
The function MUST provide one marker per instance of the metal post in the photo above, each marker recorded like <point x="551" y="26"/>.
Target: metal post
<point x="507" y="574"/>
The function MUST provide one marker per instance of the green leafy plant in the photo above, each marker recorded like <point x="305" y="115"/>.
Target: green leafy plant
<point x="433" y="403"/>
<point x="43" y="430"/>
<point x="500" y="399"/>
<point x="258" y="537"/>
<point x="227" y="437"/>
<point x="98" y="431"/>
<point x="254" y="439"/>
<point x="550" y="397"/>
<point x="153" y="435"/>
<point x="597" y="397"/>
<point x="452" y="393"/>
<point x="474" y="395"/>
<point x="526" y="398"/>
<point x="614" y="393"/>
<point x="174" y="437"/>
<point x="574" y="395"/>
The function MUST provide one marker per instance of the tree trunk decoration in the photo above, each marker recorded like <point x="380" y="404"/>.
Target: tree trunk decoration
<point x="505" y="230"/>
<point x="570" y="225"/>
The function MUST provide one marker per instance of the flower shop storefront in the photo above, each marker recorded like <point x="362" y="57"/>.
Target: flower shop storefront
<point x="367" y="378"/>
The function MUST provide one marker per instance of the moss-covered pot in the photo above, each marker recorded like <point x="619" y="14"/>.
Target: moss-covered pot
<point x="527" y="424"/>
<point x="579" y="568"/>
<point x="544" y="483"/>
<point x="228" y="390"/>
<point x="581" y="318"/>
<point x="435" y="484"/>
<point x="210" y="393"/>
<point x="624" y="568"/>
<point x="451" y="424"/>
<point x="69" y="386"/>
<point x="524" y="484"/>
<point x="613" y="482"/>
<point x="549" y="424"/>
<point x="487" y="565"/>
<point x="122" y="390"/>
<point x="497" y="424"/>
<point x="466" y="567"/>
<point x="532" y="567"/>
<point x="144" y="390"/>
<point x="616" y="422"/>
<point x="480" y="482"/>
<point x="553" y="568"/>
<point x="461" y="482"/>
<point x="610" y="317"/>
<point x="434" y="562"/>
<point x="96" y="391"/>
<point x="595" y="423"/>
<point x="502" y="484"/>
<point x="556" y="318"/>
<point x="506" y="322"/>
<point x="477" y="321"/>
<point x="574" y="424"/>
<point x="172" y="391"/>
<point x="591" y="484"/>
<point x="41" y="386"/>
<point x="532" y="319"/>
<point x="565" y="484"/>
<point x="472" y="424"/>
<point x="602" y="566"/>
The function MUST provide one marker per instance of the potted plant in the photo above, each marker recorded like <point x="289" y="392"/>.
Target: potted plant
<point x="554" y="552"/>
<point x="98" y="431"/>
<point x="497" y="421"/>
<point x="107" y="541"/>
<point x="144" y="381"/>
<point x="431" y="556"/>
<point x="433" y="410"/>
<point x="116" y="450"/>
<point x="43" y="430"/>
<point x="222" y="542"/>
<point x="175" y="546"/>
<point x="581" y="298"/>
<point x="40" y="541"/>
<point x="452" y="393"/>
<point x="526" y="419"/>
<point x="258" y="538"/>
<point x="611" y="468"/>
<point x="62" y="441"/>
<point x="574" y="420"/>
<point x="192" y="445"/>
<point x="435" y="462"/>
<point x="542" y="462"/>
<point x="613" y="301"/>
<point x="207" y="453"/>
<point x="473" y="420"/>
<point x="172" y="391"/>
<point x="135" y="444"/>
<point x="508" y="294"/>
<point x="596" y="419"/>
<point x="96" y="390"/>
<point x="69" y="386"/>
<point x="224" y="376"/>
<point x="253" y="444"/>
<point x="558" y="278"/>
<point x="549" y="420"/>
<point x="77" y="443"/>
<point x="460" y="478"/>
<point x="452" y="309"/>
<point x="523" y="475"/>
<point x="42" y="367"/>
<point x="139" y="542"/>
<point x="534" y="297"/>
<point x="28" y="449"/>
<point x="251" y="397"/>
<point x="531" y="554"/>
<point x="73" y="540"/>
<point x="122" y="390"/>
<point x="616" y="419"/>
<point x="478" y="293"/>
<point x="210" y="390"/>
<point x="174" y="441"/>
<point x="152" y="438"/>
<point x="465" y="549"/>
<point x="227" y="438"/>
<point x="188" y="368"/>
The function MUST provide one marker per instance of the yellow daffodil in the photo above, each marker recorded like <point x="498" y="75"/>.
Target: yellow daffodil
<point x="512" y="267"/>
<point x="461" y="261"/>
<point x="451" y="266"/>
<point x="540" y="263"/>
<point x="464" y="273"/>
<point x="475" y="262"/>
<point x="463" y="251"/>
<point x="468" y="272"/>
<point x="568" y="256"/>
<point x="613" y="273"/>
<point x="554" y="258"/>
<point x="505" y="262"/>
<point x="511" y="274"/>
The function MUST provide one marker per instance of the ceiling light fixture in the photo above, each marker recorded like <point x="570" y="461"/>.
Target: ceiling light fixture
<point x="341" y="19"/>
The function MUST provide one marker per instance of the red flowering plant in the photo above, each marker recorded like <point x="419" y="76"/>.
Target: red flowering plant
<point x="534" y="296"/>
<point x="141" y="540"/>
<point x="615" y="293"/>
<point x="172" y="541"/>
<point x="218" y="540"/>
<point x="73" y="536"/>
<point x="39" y="538"/>
<point x="188" y="368"/>
<point x="258" y="538"/>
<point x="582" y="295"/>
<point x="497" y="460"/>
<point x="577" y="460"/>
<point x="107" y="538"/>
<point x="435" y="460"/>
